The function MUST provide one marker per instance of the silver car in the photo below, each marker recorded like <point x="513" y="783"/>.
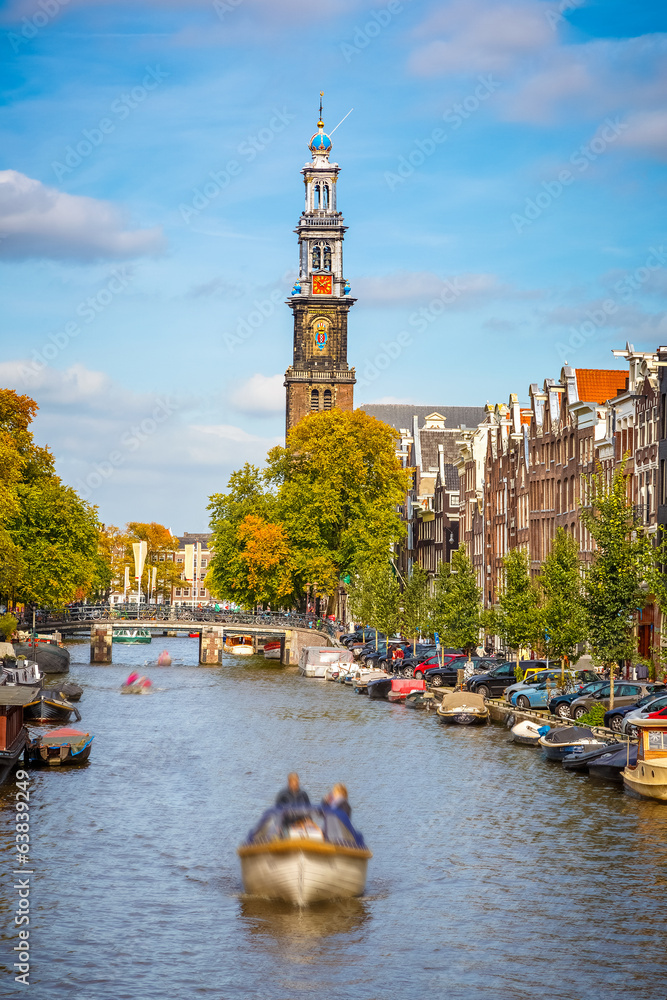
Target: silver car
<point x="641" y="713"/>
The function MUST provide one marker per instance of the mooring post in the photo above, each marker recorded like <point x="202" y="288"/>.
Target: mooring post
<point x="101" y="643"/>
<point x="211" y="641"/>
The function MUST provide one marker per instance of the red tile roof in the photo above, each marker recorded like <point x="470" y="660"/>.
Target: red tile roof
<point x="597" y="385"/>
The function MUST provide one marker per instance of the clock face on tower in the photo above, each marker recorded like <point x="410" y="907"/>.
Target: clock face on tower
<point x="322" y="284"/>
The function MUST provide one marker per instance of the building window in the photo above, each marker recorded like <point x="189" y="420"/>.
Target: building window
<point x="316" y="196"/>
<point x="327" y="399"/>
<point x="317" y="258"/>
<point x="314" y="399"/>
<point x="327" y="257"/>
<point x="325" y="196"/>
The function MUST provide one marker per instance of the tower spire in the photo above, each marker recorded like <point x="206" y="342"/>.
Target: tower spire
<point x="320" y="122"/>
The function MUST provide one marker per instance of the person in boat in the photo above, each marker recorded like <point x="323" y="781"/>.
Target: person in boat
<point x="337" y="799"/>
<point x="294" y="795"/>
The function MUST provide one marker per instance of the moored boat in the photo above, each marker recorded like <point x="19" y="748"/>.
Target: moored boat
<point x="464" y="708"/>
<point x="610" y="765"/>
<point x="13" y="734"/>
<point x="272" y="649"/>
<point x="424" y="701"/>
<point x="21" y="671"/>
<point x="239" y="645"/>
<point x="132" y="636"/>
<point x="61" y="746"/>
<point x="314" y="660"/>
<point x="66" y="692"/>
<point x="50" y="658"/>
<point x="563" y="740"/>
<point x="648" y="777"/>
<point x="528" y="733"/>
<point x="401" y="687"/>
<point x="48" y="707"/>
<point x="304" y="856"/>
<point x="580" y="760"/>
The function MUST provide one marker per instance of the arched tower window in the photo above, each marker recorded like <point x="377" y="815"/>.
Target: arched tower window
<point x="327" y="257"/>
<point x="325" y="196"/>
<point x="327" y="399"/>
<point x="317" y="258"/>
<point x="316" y="195"/>
<point x="314" y="399"/>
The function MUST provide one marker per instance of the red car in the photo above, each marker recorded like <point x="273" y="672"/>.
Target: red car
<point x="437" y="660"/>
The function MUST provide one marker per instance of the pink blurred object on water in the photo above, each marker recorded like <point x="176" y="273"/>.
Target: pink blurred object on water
<point x="164" y="659"/>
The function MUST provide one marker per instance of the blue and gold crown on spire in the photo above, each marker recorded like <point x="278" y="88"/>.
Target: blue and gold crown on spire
<point x="320" y="142"/>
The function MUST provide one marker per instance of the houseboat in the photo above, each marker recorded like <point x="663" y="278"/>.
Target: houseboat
<point x="314" y="660"/>
<point x="239" y="645"/>
<point x="648" y="777"/>
<point x="13" y="734"/>
<point x="132" y="636"/>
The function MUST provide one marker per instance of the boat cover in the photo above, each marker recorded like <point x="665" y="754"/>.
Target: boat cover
<point x="462" y="699"/>
<point x="569" y="734"/>
<point x="62" y="737"/>
<point x="335" y="826"/>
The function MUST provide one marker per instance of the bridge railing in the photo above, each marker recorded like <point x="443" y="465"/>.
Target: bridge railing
<point x="88" y="614"/>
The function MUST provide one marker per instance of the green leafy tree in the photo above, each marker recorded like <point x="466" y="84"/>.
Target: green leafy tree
<point x="458" y="603"/>
<point x="517" y="617"/>
<point x="386" y="601"/>
<point x="416" y="618"/>
<point x="563" y="611"/>
<point x="338" y="483"/>
<point x="622" y="561"/>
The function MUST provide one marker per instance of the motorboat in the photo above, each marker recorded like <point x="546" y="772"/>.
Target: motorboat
<point x="401" y="687"/>
<point x="365" y="676"/>
<point x="239" y="645"/>
<point x="528" y="733"/>
<point x="136" y="684"/>
<point x="563" y="740"/>
<point x="67" y="692"/>
<point x="272" y="649"/>
<point x="47" y="706"/>
<point x="648" y="776"/>
<point x="464" y="708"/>
<point x="132" y="636"/>
<point x="304" y="856"/>
<point x="314" y="660"/>
<point x="61" y="746"/>
<point x="332" y="672"/>
<point x="21" y="671"/>
<point x="581" y="760"/>
<point x="610" y="765"/>
<point x="424" y="701"/>
<point x="379" y="687"/>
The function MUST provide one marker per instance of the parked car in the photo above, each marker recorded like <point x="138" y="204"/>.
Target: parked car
<point x="499" y="676"/>
<point x="625" y="693"/>
<point x="574" y="679"/>
<point x="447" y="675"/>
<point x="627" y="727"/>
<point x="382" y="656"/>
<point x="431" y="662"/>
<point x="614" y="718"/>
<point x="560" y="705"/>
<point x="424" y="653"/>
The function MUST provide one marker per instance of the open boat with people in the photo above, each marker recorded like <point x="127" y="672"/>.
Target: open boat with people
<point x="564" y="740"/>
<point x="464" y="708"/>
<point x="132" y="636"/>
<point x="648" y="776"/>
<point x="61" y="746"/>
<point x="304" y="855"/>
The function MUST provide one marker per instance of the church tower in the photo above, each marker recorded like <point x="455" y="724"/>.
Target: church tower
<point x="319" y="377"/>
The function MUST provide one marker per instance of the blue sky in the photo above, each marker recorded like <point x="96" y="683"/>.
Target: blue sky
<point x="502" y="179"/>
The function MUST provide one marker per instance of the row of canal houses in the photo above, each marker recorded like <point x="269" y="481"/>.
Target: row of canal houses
<point x="508" y="475"/>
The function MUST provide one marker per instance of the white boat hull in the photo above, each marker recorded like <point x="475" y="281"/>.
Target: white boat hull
<point x="240" y="650"/>
<point x="648" y="779"/>
<point x="272" y="654"/>
<point x="313" y="670"/>
<point x="526" y="733"/>
<point x="301" y="877"/>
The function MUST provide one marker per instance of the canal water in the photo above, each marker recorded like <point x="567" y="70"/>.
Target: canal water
<point x="495" y="874"/>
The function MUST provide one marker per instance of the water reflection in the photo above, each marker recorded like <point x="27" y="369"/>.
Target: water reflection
<point x="295" y="932"/>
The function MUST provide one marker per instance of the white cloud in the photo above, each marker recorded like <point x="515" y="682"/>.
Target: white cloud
<point x="260" y="395"/>
<point x="646" y="130"/>
<point x="456" y="291"/>
<point x="40" y="221"/>
<point x="479" y="36"/>
<point x="138" y="456"/>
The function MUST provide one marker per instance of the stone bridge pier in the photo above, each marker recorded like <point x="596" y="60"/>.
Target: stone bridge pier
<point x="296" y="639"/>
<point x="101" y="643"/>
<point x="211" y="642"/>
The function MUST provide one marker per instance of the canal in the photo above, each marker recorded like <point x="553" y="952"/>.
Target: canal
<point x="495" y="874"/>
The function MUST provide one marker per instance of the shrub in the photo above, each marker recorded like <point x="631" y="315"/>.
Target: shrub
<point x="7" y="626"/>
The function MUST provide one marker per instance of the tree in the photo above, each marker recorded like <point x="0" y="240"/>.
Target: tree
<point x="160" y="546"/>
<point x="621" y="562"/>
<point x="416" y="605"/>
<point x="375" y="598"/>
<point x="338" y="483"/>
<point x="517" y="617"/>
<point x="458" y="603"/>
<point x="56" y="534"/>
<point x="563" y="611"/>
<point x="247" y="496"/>
<point x="263" y="564"/>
